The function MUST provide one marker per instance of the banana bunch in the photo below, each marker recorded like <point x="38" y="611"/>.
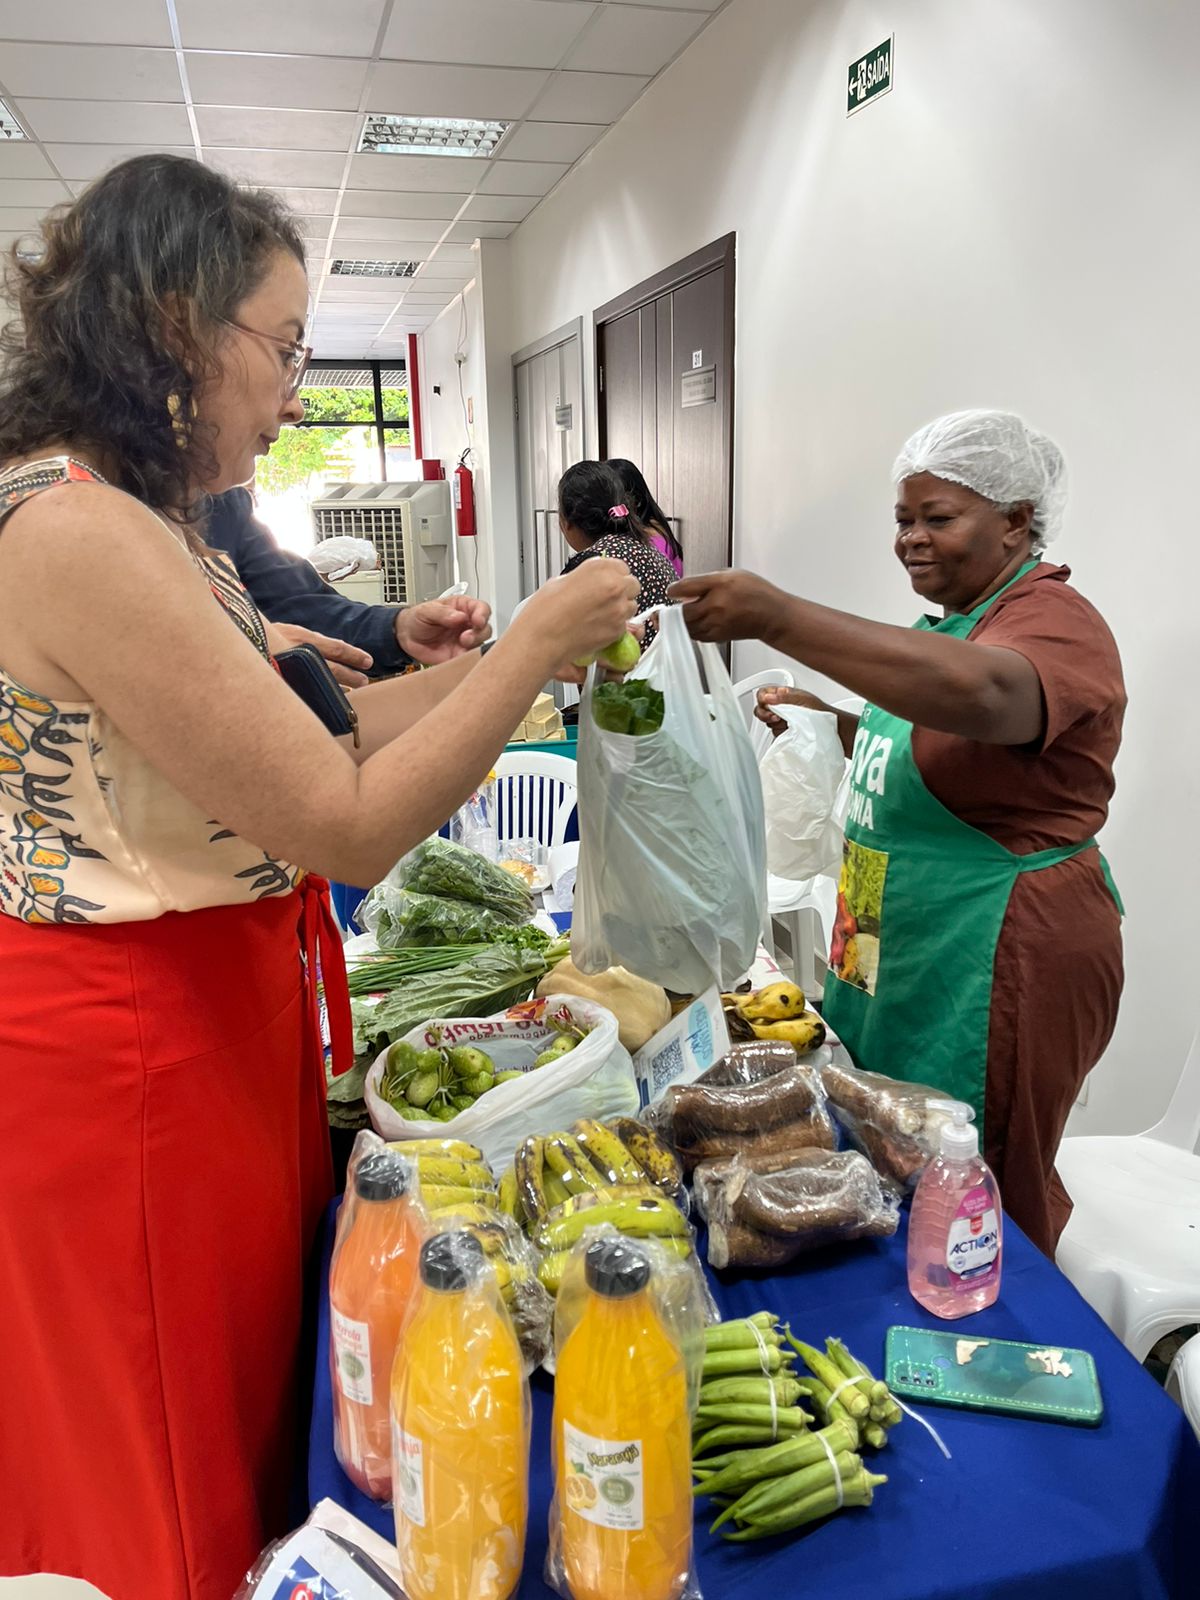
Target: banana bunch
<point x="777" y="1012"/>
<point x="618" y="1173"/>
<point x="453" y="1175"/>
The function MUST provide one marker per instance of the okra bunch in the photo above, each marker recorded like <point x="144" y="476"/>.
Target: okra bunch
<point x="748" y="1395"/>
<point x="842" y="1389"/>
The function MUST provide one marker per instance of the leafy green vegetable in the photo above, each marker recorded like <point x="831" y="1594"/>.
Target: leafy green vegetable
<point x="439" y="867"/>
<point x="408" y="918"/>
<point x="629" y="707"/>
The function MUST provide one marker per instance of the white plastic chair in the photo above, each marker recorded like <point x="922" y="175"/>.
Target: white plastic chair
<point x="746" y="690"/>
<point x="1132" y="1246"/>
<point x="1183" y="1381"/>
<point x="535" y="796"/>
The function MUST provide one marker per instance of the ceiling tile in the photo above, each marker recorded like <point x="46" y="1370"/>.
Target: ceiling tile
<point x="675" y="5"/>
<point x="411" y="301"/>
<point x="387" y="227"/>
<point x="40" y="192"/>
<point x="280" y="167"/>
<point x="522" y="177"/>
<point x="305" y="27"/>
<point x="414" y="89"/>
<point x="550" y="141"/>
<point x="297" y="82"/>
<point x="628" y="39"/>
<point x="22" y="160"/>
<point x="587" y="97"/>
<point x="16" y="219"/>
<point x="455" y="255"/>
<point x="465" y="232"/>
<point x="110" y="121"/>
<point x="67" y="22"/>
<point x="499" y="207"/>
<point x="87" y="71"/>
<point x="415" y="206"/>
<point x="310" y="202"/>
<point x="429" y="174"/>
<point x="80" y="163"/>
<point x="499" y="33"/>
<point x="252" y="127"/>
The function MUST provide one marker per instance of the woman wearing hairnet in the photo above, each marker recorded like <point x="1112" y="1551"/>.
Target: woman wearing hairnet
<point x="978" y="937"/>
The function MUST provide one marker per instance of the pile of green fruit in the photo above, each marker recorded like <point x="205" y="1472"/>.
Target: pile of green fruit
<point x="435" y="1084"/>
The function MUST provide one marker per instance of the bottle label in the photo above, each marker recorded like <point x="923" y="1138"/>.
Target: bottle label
<point x="973" y="1248"/>
<point x="408" y="1485"/>
<point x="602" y="1480"/>
<point x="352" y="1351"/>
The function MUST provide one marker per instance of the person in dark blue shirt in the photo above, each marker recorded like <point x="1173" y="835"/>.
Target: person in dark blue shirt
<point x="356" y="639"/>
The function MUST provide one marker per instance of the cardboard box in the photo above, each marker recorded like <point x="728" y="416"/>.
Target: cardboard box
<point x="688" y="1045"/>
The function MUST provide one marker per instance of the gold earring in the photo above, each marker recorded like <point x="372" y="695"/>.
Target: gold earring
<point x="180" y="428"/>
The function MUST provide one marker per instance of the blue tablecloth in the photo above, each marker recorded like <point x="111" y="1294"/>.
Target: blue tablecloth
<point x="1035" y="1510"/>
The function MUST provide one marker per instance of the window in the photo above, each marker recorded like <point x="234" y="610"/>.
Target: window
<point x="355" y="430"/>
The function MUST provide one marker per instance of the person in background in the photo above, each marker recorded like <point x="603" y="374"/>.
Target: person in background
<point x="977" y="944"/>
<point x="596" y="521"/>
<point x="644" y="506"/>
<point x="165" y="804"/>
<point x="359" y="641"/>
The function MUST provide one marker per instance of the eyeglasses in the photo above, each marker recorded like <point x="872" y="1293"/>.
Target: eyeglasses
<point x="299" y="355"/>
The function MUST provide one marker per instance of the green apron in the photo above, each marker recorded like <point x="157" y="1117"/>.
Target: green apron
<point x="921" y="903"/>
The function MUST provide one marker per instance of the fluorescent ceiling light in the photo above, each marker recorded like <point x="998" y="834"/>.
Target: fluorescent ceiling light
<point x="372" y="269"/>
<point x="10" y="128"/>
<point x="388" y="135"/>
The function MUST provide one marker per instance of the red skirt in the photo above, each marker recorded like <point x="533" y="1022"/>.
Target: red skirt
<point x="164" y="1163"/>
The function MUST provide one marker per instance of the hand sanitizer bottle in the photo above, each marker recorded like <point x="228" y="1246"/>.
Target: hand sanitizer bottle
<point x="955" y="1233"/>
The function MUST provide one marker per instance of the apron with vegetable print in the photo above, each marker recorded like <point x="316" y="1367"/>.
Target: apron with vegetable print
<point x="921" y="902"/>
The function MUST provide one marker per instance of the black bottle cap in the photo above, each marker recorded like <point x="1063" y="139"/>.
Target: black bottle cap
<point x="616" y="1268"/>
<point x="383" y="1175"/>
<point x="451" y="1261"/>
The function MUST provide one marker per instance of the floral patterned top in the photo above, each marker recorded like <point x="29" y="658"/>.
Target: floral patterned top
<point x="90" y="831"/>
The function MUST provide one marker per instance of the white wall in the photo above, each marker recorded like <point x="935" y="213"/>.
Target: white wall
<point x="1014" y="225"/>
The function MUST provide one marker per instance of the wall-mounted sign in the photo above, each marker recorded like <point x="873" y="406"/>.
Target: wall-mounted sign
<point x="699" y="388"/>
<point x="870" y="76"/>
<point x="562" y="417"/>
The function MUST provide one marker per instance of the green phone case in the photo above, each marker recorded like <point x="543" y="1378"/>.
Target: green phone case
<point x="998" y="1375"/>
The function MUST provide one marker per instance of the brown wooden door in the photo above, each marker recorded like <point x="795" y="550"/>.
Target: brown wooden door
<point x="664" y="355"/>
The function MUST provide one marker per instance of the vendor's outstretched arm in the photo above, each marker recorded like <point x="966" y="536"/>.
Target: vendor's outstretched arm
<point x="977" y="691"/>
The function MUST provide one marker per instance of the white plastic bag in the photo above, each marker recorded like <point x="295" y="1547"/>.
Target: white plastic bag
<point x="805" y="794"/>
<point x="672" y="859"/>
<point x="593" y="1080"/>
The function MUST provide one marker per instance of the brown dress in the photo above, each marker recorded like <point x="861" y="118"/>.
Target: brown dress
<point x="1058" y="972"/>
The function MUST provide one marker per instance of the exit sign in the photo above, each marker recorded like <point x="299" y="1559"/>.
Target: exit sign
<point x="870" y="76"/>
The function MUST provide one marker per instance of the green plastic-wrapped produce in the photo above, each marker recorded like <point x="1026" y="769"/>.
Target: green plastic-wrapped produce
<point x="429" y="919"/>
<point x="442" y="868"/>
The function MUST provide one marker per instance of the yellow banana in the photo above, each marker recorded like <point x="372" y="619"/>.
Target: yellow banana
<point x="556" y="1190"/>
<point x="438" y="1147"/>
<point x="606" y="1152"/>
<point x="478" y="1217"/>
<point x="778" y="1002"/>
<point x="565" y="1158"/>
<point x="510" y="1194"/>
<point x="802" y="1033"/>
<point x="531" y="1177"/>
<point x="554" y="1265"/>
<point x="659" y="1164"/>
<point x="571" y="1207"/>
<point x="453" y="1171"/>
<point x="439" y="1197"/>
<point x="642" y="1217"/>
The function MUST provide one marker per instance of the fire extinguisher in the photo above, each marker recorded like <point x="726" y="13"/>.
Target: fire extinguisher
<point x="464" y="499"/>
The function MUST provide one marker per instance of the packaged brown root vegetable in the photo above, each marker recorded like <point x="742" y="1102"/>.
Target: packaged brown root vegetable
<point x="757" y="1100"/>
<point x="766" y="1211"/>
<point x="897" y="1125"/>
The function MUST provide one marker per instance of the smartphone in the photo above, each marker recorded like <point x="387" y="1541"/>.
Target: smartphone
<point x="952" y="1368"/>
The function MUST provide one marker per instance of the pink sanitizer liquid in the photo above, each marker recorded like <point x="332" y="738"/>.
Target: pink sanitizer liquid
<point x="955" y="1233"/>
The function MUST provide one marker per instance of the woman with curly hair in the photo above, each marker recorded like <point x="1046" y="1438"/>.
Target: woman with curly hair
<point x="164" y="802"/>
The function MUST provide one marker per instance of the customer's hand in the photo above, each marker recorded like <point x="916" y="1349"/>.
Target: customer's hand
<point x="347" y="662"/>
<point x="581" y="612"/>
<point x="777" y="695"/>
<point x="438" y="630"/>
<point x="721" y="606"/>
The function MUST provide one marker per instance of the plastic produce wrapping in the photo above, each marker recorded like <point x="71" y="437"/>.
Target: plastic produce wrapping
<point x="595" y="1079"/>
<point x="438" y="866"/>
<point x="371" y="1279"/>
<point x="460" y="1431"/>
<point x="763" y="1211"/>
<point x="402" y="916"/>
<point x="897" y="1125"/>
<point x="343" y="555"/>
<point x="672" y="860"/>
<point x="332" y="1556"/>
<point x="757" y="1100"/>
<point x="806" y="793"/>
<point x="629" y="1348"/>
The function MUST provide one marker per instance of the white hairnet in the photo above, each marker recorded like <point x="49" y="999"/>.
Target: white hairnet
<point x="999" y="456"/>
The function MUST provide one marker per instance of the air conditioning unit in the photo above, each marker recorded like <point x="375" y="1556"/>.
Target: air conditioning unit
<point x="408" y="523"/>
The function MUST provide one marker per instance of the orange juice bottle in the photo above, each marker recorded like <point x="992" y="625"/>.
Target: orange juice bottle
<point x="460" y="1432"/>
<point x="371" y="1281"/>
<point x="622" y="1438"/>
